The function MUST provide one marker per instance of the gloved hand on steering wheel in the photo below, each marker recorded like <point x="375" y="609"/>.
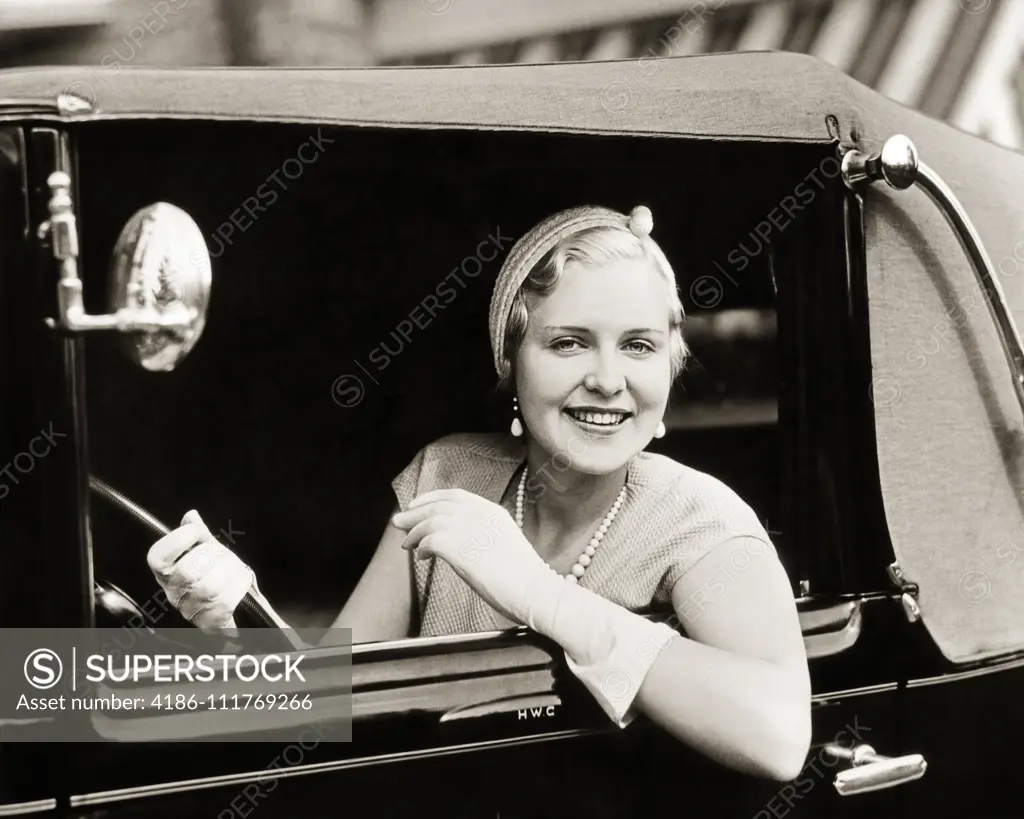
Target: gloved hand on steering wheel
<point x="203" y="579"/>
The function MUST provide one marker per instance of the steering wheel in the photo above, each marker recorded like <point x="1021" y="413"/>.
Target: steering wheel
<point x="116" y="604"/>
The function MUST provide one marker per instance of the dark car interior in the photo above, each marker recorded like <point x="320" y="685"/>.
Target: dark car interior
<point x="248" y="429"/>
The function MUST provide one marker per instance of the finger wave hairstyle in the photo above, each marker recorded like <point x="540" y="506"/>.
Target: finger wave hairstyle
<point x="593" y="246"/>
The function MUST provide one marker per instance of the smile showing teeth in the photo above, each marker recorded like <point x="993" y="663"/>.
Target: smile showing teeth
<point x="601" y="419"/>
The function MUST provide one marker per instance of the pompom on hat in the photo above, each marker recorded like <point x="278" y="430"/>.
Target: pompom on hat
<point x="537" y="243"/>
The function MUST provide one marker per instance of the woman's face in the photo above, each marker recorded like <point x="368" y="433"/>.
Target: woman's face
<point x="594" y="370"/>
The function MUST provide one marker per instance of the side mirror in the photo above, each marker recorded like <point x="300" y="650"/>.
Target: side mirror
<point x="160" y="280"/>
<point x="160" y="271"/>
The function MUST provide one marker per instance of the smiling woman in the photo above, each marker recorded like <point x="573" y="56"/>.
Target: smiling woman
<point x="569" y="525"/>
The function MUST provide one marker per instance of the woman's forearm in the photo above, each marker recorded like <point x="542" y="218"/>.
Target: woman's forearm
<point x="749" y="714"/>
<point x="380" y="606"/>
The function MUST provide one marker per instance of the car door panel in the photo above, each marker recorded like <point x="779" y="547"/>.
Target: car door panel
<point x="970" y="745"/>
<point x="523" y="732"/>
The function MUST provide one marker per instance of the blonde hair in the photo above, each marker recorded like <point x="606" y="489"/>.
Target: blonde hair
<point x="593" y="246"/>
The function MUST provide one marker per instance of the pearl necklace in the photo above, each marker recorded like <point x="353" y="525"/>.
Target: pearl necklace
<point x="580" y="566"/>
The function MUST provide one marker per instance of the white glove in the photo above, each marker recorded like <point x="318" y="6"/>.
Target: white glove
<point x="481" y="542"/>
<point x="609" y="648"/>
<point x="208" y="583"/>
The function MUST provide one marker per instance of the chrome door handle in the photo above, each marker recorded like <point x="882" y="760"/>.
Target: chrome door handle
<point x="872" y="772"/>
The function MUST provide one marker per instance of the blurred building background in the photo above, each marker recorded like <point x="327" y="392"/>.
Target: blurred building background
<point x="958" y="60"/>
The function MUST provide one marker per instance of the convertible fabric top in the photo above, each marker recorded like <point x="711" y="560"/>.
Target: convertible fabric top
<point x="950" y="434"/>
<point x="759" y="95"/>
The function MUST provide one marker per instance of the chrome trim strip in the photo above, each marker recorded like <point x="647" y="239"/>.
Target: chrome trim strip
<point x="22" y="808"/>
<point x="865" y="691"/>
<point x="958" y="676"/>
<point x="185" y="785"/>
<point x="428" y="642"/>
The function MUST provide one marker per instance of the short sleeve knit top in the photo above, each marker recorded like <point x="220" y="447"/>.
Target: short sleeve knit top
<point x="671" y="517"/>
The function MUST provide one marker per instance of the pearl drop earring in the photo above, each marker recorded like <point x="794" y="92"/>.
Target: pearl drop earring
<point x="660" y="431"/>
<point x="517" y="425"/>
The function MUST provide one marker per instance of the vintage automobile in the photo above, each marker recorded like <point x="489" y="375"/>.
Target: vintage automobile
<point x="214" y="293"/>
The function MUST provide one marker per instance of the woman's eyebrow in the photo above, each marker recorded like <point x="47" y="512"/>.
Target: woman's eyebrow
<point x="641" y="330"/>
<point x="564" y="328"/>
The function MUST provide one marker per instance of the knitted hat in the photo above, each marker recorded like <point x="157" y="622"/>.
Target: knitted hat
<point x="540" y="240"/>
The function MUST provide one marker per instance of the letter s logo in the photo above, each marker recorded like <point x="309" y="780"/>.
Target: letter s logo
<point x="39" y="668"/>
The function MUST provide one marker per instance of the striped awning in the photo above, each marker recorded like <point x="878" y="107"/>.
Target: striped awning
<point x="956" y="60"/>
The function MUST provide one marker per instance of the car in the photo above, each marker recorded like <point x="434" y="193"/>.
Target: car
<point x="257" y="293"/>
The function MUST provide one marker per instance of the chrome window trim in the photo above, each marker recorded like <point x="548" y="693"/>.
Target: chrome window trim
<point x="23" y="808"/>
<point x="991" y="667"/>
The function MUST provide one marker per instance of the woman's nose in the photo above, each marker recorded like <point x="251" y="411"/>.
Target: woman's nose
<point x="606" y="378"/>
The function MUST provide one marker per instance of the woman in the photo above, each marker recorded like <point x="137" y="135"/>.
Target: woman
<point x="568" y="525"/>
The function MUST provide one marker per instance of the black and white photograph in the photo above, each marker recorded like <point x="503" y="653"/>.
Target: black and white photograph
<point x="500" y="410"/>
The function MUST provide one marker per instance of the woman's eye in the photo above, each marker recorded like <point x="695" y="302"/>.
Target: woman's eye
<point x="565" y="345"/>
<point x="640" y="346"/>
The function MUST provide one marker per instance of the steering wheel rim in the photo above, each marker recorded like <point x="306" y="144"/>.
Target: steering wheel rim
<point x="249" y="606"/>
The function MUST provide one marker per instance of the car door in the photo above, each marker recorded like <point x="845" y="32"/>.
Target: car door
<point x="943" y="256"/>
